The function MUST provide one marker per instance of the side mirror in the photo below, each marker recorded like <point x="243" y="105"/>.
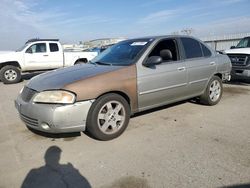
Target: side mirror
<point x="232" y="47"/>
<point x="153" y="60"/>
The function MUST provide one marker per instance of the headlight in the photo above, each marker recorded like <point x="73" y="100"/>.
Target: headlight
<point x="59" y="96"/>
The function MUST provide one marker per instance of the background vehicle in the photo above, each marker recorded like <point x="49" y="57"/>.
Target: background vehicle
<point x="98" y="49"/>
<point x="240" y="59"/>
<point x="129" y="77"/>
<point x="37" y="55"/>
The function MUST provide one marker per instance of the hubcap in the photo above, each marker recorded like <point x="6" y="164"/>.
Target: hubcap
<point x="111" y="117"/>
<point x="10" y="75"/>
<point x="215" y="90"/>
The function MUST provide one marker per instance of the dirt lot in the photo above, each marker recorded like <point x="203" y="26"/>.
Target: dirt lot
<point x="182" y="145"/>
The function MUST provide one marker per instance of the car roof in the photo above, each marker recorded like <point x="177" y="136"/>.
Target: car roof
<point x="161" y="37"/>
<point x="42" y="40"/>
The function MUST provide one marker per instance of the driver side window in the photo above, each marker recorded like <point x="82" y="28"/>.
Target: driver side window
<point x="37" y="48"/>
<point x="167" y="50"/>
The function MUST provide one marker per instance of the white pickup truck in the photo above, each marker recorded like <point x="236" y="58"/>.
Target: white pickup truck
<point x="38" y="55"/>
<point x="240" y="59"/>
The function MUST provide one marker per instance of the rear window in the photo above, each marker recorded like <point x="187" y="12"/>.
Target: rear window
<point x="53" y="47"/>
<point x="192" y="48"/>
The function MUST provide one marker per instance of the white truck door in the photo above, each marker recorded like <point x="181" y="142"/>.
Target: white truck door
<point x="55" y="55"/>
<point x="36" y="57"/>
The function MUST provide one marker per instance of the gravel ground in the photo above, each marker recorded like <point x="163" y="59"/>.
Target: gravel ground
<point x="180" y="145"/>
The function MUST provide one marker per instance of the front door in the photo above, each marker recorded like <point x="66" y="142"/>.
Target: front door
<point x="36" y="57"/>
<point x="163" y="83"/>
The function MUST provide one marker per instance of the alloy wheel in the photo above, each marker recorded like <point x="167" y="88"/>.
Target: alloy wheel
<point x="111" y="117"/>
<point x="10" y="74"/>
<point x="215" y="90"/>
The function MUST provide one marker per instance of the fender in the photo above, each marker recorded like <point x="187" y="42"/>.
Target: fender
<point x="14" y="63"/>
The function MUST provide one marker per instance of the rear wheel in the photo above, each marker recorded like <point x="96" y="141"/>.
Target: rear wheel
<point x="108" y="117"/>
<point x="10" y="74"/>
<point x="213" y="92"/>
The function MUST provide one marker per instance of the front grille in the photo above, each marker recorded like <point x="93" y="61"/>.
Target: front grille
<point x="29" y="121"/>
<point x="238" y="59"/>
<point x="27" y="94"/>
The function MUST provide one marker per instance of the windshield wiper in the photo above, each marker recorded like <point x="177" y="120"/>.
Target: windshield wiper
<point x="92" y="62"/>
<point x="100" y="63"/>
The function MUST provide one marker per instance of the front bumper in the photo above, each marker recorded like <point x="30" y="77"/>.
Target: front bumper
<point x="54" y="118"/>
<point x="240" y="72"/>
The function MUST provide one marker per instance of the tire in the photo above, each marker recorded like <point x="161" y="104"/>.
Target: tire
<point x="108" y="117"/>
<point x="213" y="92"/>
<point x="10" y="74"/>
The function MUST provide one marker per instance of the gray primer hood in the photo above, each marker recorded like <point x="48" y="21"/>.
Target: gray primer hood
<point x="57" y="79"/>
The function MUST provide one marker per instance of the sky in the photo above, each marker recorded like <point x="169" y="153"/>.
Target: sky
<point x="81" y="20"/>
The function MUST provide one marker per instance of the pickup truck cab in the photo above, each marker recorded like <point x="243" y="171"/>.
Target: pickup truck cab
<point x="240" y="59"/>
<point x="38" y="55"/>
<point x="129" y="77"/>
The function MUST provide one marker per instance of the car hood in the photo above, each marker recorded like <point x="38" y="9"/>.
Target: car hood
<point x="8" y="56"/>
<point x="238" y="51"/>
<point x="59" y="78"/>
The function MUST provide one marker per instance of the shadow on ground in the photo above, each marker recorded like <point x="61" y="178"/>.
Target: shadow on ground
<point x="53" y="174"/>
<point x="58" y="135"/>
<point x="71" y="136"/>
<point x="238" y="82"/>
<point x="129" y="182"/>
<point x="163" y="107"/>
<point x="238" y="186"/>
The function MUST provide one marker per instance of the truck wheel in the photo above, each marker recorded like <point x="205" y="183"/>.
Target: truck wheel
<point x="10" y="74"/>
<point x="108" y="117"/>
<point x="213" y="92"/>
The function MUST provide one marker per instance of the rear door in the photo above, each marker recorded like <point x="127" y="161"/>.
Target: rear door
<point x="55" y="55"/>
<point x="163" y="83"/>
<point x="199" y="63"/>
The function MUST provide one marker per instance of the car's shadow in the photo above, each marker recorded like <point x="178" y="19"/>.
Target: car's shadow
<point x="247" y="185"/>
<point x="52" y="135"/>
<point x="152" y="110"/>
<point x="78" y="134"/>
<point x="238" y="82"/>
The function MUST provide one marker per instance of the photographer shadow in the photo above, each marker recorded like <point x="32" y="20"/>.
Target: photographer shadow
<point x="53" y="174"/>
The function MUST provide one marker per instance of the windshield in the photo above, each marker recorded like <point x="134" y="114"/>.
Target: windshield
<point x="244" y="43"/>
<point x="21" y="49"/>
<point x="123" y="53"/>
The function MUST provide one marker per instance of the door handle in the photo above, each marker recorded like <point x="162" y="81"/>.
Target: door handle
<point x="45" y="55"/>
<point x="212" y="63"/>
<point x="181" y="68"/>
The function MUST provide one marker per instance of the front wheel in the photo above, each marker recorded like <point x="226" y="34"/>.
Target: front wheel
<point x="213" y="92"/>
<point x="10" y="74"/>
<point x="108" y="117"/>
